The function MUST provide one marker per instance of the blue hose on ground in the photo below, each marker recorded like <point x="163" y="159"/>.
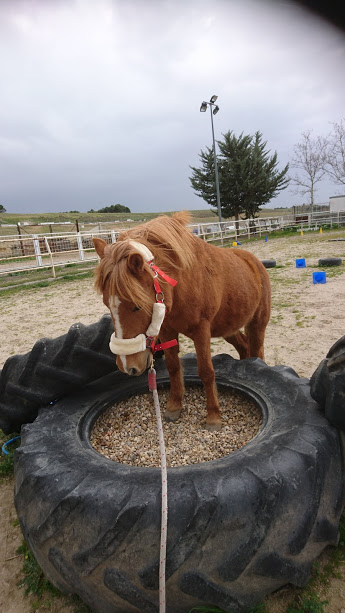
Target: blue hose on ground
<point x="3" y="448"/>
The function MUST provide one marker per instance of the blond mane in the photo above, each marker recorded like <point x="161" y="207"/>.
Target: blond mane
<point x="171" y="243"/>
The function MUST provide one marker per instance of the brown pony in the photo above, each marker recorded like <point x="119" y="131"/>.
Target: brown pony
<point x="218" y="292"/>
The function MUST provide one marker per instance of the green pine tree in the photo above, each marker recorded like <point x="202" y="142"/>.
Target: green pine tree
<point x="248" y="175"/>
<point x="203" y="179"/>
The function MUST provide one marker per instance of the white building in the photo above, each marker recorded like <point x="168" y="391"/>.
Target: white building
<point x="336" y="203"/>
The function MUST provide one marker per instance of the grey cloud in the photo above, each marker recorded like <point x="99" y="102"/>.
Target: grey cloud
<point x="100" y="101"/>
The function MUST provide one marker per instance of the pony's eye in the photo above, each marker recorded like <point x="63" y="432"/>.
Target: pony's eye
<point x="135" y="309"/>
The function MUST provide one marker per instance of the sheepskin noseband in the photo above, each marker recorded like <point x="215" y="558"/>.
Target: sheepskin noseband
<point x="129" y="346"/>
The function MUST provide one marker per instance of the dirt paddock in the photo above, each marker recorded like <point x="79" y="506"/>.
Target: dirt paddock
<point x="306" y="320"/>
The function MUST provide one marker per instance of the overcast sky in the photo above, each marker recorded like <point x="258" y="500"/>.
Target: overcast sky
<point x="100" y="100"/>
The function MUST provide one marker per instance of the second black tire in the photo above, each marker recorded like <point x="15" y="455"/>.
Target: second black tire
<point x="330" y="262"/>
<point x="238" y="527"/>
<point x="52" y="369"/>
<point x="269" y="263"/>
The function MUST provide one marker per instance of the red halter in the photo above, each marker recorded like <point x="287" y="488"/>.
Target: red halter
<point x="160" y="299"/>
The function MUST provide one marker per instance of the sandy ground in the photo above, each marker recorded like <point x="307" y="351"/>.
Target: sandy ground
<point x="306" y="320"/>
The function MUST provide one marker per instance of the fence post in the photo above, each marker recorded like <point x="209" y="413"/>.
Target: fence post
<point x="51" y="256"/>
<point x="20" y="239"/>
<point x="113" y="236"/>
<point x="80" y="246"/>
<point x="37" y="250"/>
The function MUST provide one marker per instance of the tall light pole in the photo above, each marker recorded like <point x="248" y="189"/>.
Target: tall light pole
<point x="214" y="108"/>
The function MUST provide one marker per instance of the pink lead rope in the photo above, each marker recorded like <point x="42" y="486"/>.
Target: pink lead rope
<point x="164" y="515"/>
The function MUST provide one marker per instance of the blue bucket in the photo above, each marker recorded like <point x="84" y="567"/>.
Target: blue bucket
<point x="300" y="263"/>
<point x="319" y="277"/>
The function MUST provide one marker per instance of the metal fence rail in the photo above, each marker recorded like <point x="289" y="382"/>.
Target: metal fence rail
<point x="38" y="251"/>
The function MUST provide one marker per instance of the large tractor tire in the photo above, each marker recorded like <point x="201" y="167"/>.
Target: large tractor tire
<point x="239" y="527"/>
<point x="53" y="369"/>
<point x="327" y="384"/>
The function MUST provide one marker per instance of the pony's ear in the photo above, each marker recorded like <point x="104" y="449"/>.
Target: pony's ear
<point x="100" y="245"/>
<point x="136" y="263"/>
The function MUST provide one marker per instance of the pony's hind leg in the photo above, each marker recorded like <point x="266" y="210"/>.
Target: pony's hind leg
<point x="256" y="328"/>
<point x="255" y="331"/>
<point x="240" y="342"/>
<point x="256" y="336"/>
<point x="202" y="340"/>
<point x="173" y="364"/>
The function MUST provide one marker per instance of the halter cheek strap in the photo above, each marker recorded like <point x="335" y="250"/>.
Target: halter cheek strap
<point x="158" y="314"/>
<point x="129" y="346"/>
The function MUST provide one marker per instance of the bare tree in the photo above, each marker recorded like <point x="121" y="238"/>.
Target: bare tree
<point x="309" y="160"/>
<point x="335" y="153"/>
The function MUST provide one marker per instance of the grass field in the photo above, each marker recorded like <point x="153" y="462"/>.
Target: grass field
<point x="60" y="220"/>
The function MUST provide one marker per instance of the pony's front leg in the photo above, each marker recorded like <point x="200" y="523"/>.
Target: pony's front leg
<point x="202" y="341"/>
<point x="173" y="364"/>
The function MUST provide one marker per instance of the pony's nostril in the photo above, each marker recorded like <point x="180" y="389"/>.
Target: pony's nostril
<point x="133" y="371"/>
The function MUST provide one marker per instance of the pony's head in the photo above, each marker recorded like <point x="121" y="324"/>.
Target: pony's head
<point x="126" y="278"/>
<point x="126" y="281"/>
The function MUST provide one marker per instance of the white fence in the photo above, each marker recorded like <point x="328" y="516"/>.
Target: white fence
<point x="251" y="228"/>
<point x="38" y="251"/>
<point x="19" y="253"/>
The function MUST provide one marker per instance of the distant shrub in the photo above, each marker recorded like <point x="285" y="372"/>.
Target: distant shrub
<point x="114" y="208"/>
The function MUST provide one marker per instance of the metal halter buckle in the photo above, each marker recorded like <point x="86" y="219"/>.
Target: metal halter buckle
<point x="158" y="299"/>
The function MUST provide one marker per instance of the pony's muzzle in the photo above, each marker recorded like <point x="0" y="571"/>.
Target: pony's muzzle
<point x="134" y="365"/>
<point x="133" y="357"/>
<point x="134" y="372"/>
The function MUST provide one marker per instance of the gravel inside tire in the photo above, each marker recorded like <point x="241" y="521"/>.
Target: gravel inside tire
<point x="127" y="432"/>
<point x="238" y="528"/>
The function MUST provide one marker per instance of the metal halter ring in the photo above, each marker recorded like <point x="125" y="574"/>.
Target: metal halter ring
<point x="158" y="299"/>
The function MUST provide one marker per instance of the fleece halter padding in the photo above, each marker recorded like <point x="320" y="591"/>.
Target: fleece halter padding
<point x="143" y="250"/>
<point x="129" y="346"/>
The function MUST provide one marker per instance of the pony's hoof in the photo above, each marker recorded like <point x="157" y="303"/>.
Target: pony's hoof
<point x="172" y="415"/>
<point x="214" y="427"/>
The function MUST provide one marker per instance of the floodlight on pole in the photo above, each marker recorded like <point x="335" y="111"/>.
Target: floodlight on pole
<point x="214" y="110"/>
